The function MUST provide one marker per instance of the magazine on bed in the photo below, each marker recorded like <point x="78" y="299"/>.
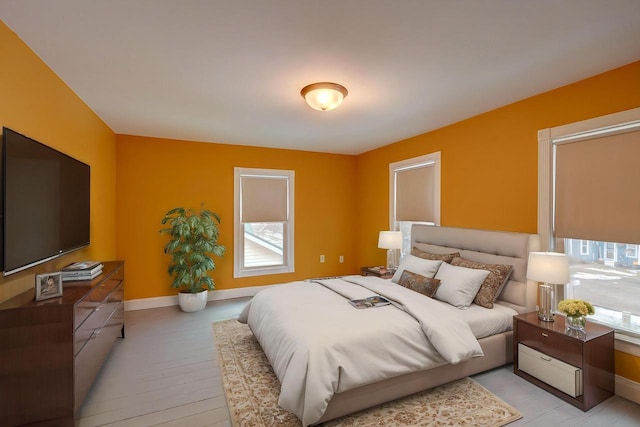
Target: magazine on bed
<point x="375" y="301"/>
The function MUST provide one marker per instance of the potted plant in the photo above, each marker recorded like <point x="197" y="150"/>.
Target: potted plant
<point x="193" y="241"/>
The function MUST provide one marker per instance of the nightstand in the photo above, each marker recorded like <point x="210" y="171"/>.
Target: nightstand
<point x="577" y="367"/>
<point x="377" y="271"/>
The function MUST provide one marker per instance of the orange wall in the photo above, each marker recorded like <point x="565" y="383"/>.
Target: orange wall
<point x="155" y="175"/>
<point x="35" y="102"/>
<point x="628" y="366"/>
<point x="490" y="161"/>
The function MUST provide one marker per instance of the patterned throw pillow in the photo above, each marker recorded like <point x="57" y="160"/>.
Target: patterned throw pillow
<point x="437" y="257"/>
<point x="424" y="285"/>
<point x="492" y="285"/>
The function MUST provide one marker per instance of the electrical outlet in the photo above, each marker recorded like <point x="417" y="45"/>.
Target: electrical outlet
<point x="321" y="258"/>
<point x="341" y="259"/>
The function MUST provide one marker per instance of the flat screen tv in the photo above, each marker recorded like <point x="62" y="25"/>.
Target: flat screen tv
<point x="46" y="198"/>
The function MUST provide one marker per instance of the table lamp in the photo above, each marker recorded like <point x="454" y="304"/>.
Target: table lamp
<point x="390" y="240"/>
<point x="552" y="269"/>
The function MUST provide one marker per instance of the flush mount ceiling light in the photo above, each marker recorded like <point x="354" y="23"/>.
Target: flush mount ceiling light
<point x="324" y="96"/>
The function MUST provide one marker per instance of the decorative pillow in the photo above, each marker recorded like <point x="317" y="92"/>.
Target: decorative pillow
<point x="492" y="285"/>
<point x="425" y="285"/>
<point x="459" y="285"/>
<point x="428" y="255"/>
<point x="424" y="267"/>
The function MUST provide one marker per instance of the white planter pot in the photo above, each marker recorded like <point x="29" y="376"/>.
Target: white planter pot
<point x="192" y="302"/>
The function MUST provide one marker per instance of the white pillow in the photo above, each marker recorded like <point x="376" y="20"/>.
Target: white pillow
<point x="423" y="267"/>
<point x="459" y="285"/>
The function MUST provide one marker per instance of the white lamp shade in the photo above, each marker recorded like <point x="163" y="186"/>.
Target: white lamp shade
<point x="548" y="267"/>
<point x="324" y="96"/>
<point x="390" y="240"/>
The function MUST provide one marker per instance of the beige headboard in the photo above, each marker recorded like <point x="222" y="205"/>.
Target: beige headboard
<point x="495" y="247"/>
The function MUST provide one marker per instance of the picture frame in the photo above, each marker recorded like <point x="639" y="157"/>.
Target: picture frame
<point x="48" y="285"/>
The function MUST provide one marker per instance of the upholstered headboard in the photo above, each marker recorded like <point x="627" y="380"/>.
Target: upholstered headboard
<point x="494" y="247"/>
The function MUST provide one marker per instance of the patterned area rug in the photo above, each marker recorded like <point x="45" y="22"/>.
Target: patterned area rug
<point x="252" y="391"/>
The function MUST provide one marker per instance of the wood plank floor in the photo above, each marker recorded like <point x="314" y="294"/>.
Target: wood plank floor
<point x="165" y="373"/>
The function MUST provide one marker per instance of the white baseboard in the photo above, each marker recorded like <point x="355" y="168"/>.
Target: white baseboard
<point x="628" y="389"/>
<point x="217" y="295"/>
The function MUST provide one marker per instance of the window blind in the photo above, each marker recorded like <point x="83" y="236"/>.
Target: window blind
<point x="595" y="188"/>
<point x="263" y="199"/>
<point x="414" y="194"/>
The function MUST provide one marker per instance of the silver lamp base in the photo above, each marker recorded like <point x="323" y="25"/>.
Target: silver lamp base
<point x="545" y="315"/>
<point x="545" y="303"/>
<point x="391" y="260"/>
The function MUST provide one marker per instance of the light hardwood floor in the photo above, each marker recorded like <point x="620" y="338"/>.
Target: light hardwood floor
<point x="166" y="373"/>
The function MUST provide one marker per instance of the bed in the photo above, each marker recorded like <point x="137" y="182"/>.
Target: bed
<point x="332" y="359"/>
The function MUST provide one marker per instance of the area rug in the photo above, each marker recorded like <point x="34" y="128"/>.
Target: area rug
<point x="252" y="391"/>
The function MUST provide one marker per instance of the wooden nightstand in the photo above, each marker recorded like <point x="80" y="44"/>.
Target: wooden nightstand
<point x="377" y="271"/>
<point x="558" y="354"/>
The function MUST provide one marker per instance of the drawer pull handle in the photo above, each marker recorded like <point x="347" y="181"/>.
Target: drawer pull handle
<point x="544" y="335"/>
<point x="546" y="359"/>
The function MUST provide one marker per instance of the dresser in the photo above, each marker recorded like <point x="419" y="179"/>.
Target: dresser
<point x="52" y="350"/>
<point x="577" y="367"/>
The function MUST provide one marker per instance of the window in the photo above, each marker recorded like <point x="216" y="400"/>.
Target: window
<point x="584" y="247"/>
<point x="609" y="253"/>
<point x="587" y="210"/>
<point x="263" y="226"/>
<point x="414" y="194"/>
<point x="610" y="279"/>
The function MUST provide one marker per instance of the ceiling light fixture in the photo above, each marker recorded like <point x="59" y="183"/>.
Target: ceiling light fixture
<point x="324" y="96"/>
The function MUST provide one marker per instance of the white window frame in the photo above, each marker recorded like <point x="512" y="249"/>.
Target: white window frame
<point x="610" y="253"/>
<point x="584" y="247"/>
<point x="432" y="158"/>
<point x="631" y="251"/>
<point x="239" y="270"/>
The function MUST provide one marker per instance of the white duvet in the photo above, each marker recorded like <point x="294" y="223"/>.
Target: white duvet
<point x="318" y="344"/>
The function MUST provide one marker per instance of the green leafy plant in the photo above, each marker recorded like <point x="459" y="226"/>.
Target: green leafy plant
<point x="193" y="241"/>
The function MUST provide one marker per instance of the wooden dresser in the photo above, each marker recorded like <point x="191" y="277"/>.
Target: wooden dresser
<point x="556" y="356"/>
<point x="52" y="350"/>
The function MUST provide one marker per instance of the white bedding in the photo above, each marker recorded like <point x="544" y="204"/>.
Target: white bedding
<point x="315" y="356"/>
<point x="486" y="321"/>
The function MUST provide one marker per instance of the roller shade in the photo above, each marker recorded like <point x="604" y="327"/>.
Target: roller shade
<point x="414" y="194"/>
<point x="263" y="199"/>
<point x="596" y="196"/>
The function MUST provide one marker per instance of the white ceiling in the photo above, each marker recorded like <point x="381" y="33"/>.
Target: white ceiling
<point x="230" y="71"/>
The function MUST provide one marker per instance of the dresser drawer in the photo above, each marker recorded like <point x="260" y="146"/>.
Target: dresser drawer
<point x="563" y="376"/>
<point x="88" y="361"/>
<point x="102" y="291"/>
<point x="110" y="291"/>
<point x="96" y="316"/>
<point x="559" y="346"/>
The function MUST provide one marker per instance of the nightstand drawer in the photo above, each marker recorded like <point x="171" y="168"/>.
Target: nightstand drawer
<point x="563" y="376"/>
<point x="559" y="346"/>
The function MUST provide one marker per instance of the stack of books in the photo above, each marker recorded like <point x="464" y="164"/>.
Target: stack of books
<point x="84" y="270"/>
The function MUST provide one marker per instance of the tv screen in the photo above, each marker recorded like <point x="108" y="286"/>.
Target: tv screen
<point x="46" y="202"/>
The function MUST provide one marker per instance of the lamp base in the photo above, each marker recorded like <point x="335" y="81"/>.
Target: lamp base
<point x="545" y="303"/>
<point x="391" y="259"/>
<point x="545" y="316"/>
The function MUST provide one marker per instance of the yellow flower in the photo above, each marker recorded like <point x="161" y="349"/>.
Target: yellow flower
<point x="576" y="307"/>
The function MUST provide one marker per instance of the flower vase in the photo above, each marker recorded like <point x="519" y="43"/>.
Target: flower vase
<point x="576" y="322"/>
